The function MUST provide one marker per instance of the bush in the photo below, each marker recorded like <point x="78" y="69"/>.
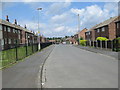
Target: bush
<point x="83" y="42"/>
<point x="102" y="39"/>
<point x="118" y="38"/>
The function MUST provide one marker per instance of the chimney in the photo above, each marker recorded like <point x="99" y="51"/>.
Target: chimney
<point x="25" y="26"/>
<point x="15" y="22"/>
<point x="7" y="18"/>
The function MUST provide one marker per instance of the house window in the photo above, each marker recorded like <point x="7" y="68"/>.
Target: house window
<point x="0" y="27"/>
<point x="5" y="28"/>
<point x="117" y="25"/>
<point x="98" y="30"/>
<point x="103" y="29"/>
<point x="2" y="42"/>
<point x="8" y="29"/>
<point x="5" y="40"/>
<point x="14" y="41"/>
<point x="89" y="33"/>
<point x="9" y="41"/>
<point x="18" y="31"/>
<point x="13" y="30"/>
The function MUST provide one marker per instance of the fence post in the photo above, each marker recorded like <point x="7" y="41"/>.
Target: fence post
<point x="16" y="51"/>
<point x="96" y="44"/>
<point x="112" y="45"/>
<point x="106" y="44"/>
<point x="116" y="45"/>
<point x="101" y="44"/>
<point x="26" y="49"/>
<point x="32" y="48"/>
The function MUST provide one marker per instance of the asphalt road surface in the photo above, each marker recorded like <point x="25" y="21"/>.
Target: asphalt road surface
<point x="71" y="67"/>
<point x="26" y="74"/>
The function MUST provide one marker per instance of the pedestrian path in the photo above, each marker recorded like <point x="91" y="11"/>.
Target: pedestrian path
<point x="101" y="51"/>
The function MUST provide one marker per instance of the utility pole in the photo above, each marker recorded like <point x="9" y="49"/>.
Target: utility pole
<point x="78" y="28"/>
<point x="39" y="47"/>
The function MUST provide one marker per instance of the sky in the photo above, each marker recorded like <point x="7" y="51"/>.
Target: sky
<point x="59" y="19"/>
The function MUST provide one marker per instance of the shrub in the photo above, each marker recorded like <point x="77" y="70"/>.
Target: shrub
<point x="83" y="42"/>
<point x="101" y="39"/>
<point x="118" y="38"/>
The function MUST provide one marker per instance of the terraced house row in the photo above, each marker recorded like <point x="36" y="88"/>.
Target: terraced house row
<point x="13" y="34"/>
<point x="109" y="28"/>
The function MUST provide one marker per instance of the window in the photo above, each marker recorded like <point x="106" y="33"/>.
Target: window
<point x="103" y="29"/>
<point x="18" y="36"/>
<point x="89" y="33"/>
<point x="98" y="30"/>
<point x="5" y="28"/>
<point x="2" y="42"/>
<point x="9" y="29"/>
<point x="13" y="30"/>
<point x="14" y="41"/>
<point x="117" y="25"/>
<point x="9" y="41"/>
<point x="0" y="27"/>
<point x="18" y="31"/>
<point x="5" y="40"/>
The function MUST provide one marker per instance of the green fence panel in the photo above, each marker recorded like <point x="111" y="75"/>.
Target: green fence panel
<point x="29" y="50"/>
<point x="8" y="57"/>
<point x="21" y="52"/>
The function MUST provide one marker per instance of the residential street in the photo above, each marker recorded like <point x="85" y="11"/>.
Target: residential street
<point x="66" y="67"/>
<point x="70" y="67"/>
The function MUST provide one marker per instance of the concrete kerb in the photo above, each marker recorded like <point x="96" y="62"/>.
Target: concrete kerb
<point x="43" y="71"/>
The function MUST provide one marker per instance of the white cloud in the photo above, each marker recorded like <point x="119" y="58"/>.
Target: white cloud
<point x="94" y="14"/>
<point x="58" y="8"/>
<point x="59" y="29"/>
<point x="77" y="11"/>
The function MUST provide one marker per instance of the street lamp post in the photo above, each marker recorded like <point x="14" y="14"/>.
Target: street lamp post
<point x="39" y="47"/>
<point x="78" y="27"/>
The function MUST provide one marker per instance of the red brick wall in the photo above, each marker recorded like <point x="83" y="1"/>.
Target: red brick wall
<point x="82" y="33"/>
<point x="112" y="30"/>
<point x="93" y="35"/>
<point x="23" y="37"/>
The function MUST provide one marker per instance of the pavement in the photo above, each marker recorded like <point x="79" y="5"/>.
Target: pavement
<point x="101" y="51"/>
<point x="26" y="74"/>
<point x="70" y="67"/>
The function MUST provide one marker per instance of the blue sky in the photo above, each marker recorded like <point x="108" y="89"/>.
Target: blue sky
<point x="59" y="18"/>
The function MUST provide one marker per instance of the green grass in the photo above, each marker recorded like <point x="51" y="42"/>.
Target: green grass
<point x="29" y="50"/>
<point x="8" y="57"/>
<point x="21" y="53"/>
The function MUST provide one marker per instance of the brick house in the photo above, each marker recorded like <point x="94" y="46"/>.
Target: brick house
<point x="106" y="29"/>
<point x="80" y="34"/>
<point x="13" y="34"/>
<point x="71" y="40"/>
<point x="109" y="28"/>
<point x="90" y="34"/>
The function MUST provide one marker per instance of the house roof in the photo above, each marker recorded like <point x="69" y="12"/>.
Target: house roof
<point x="13" y="25"/>
<point x="81" y="31"/>
<point x="71" y="39"/>
<point x="106" y="22"/>
<point x="92" y="28"/>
